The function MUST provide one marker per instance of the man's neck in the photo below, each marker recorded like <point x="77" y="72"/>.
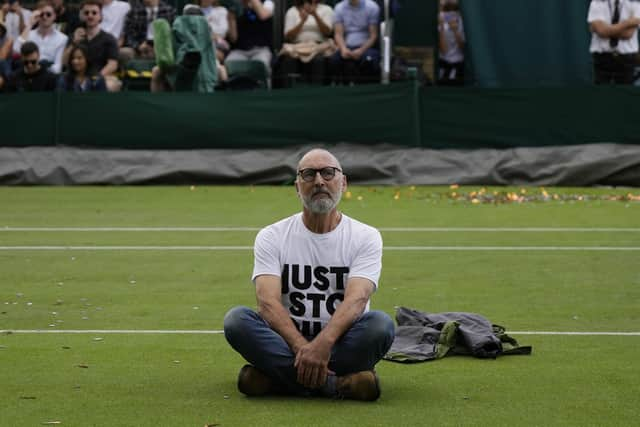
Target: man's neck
<point x="93" y="31"/>
<point x="45" y="31"/>
<point x="321" y="223"/>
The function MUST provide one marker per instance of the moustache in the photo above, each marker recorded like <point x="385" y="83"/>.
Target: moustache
<point x="322" y="192"/>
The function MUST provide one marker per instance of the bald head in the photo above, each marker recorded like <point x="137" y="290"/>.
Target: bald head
<point x="318" y="158"/>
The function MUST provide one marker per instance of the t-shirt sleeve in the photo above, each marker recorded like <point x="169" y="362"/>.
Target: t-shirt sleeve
<point x="291" y="19"/>
<point x="327" y="16"/>
<point x="112" y="48"/>
<point x="266" y="258"/>
<point x="597" y="11"/>
<point x="373" y="15"/>
<point x="337" y="15"/>
<point x="368" y="261"/>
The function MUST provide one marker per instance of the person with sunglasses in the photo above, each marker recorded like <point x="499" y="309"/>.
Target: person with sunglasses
<point x="314" y="273"/>
<point x="32" y="77"/>
<point x="41" y="31"/>
<point x="102" y="47"/>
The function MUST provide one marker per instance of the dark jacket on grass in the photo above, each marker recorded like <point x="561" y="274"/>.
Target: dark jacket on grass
<point x="428" y="336"/>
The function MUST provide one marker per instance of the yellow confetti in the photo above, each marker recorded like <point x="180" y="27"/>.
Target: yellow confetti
<point x="523" y="191"/>
<point x="347" y="195"/>
<point x="454" y="186"/>
<point x="454" y="194"/>
<point x="413" y="188"/>
<point x="475" y="201"/>
<point x="360" y="198"/>
<point x="396" y="196"/>
<point x="193" y="187"/>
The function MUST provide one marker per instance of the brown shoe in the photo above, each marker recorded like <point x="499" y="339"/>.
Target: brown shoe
<point x="252" y="382"/>
<point x="362" y="385"/>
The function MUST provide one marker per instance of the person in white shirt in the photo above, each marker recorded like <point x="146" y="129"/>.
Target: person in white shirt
<point x="114" y="13"/>
<point x="307" y="33"/>
<point x="217" y="17"/>
<point x="16" y="18"/>
<point x="42" y="32"/>
<point x="614" y="41"/>
<point x="314" y="273"/>
<point x="451" y="43"/>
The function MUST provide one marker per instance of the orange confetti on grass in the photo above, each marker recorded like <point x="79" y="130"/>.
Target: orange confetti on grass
<point x="454" y="186"/>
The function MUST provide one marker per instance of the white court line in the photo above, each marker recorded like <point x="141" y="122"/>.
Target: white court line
<point x="388" y="248"/>
<point x="398" y="229"/>
<point x="218" y="332"/>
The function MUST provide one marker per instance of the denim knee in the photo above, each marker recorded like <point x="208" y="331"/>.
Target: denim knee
<point x="235" y="320"/>
<point x="380" y="327"/>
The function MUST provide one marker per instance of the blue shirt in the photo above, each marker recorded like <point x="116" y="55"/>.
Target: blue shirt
<point x="356" y="20"/>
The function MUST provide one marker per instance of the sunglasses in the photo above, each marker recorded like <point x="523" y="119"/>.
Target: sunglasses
<point x="46" y="14"/>
<point x="30" y="61"/>
<point x="90" y="13"/>
<point x="309" y="174"/>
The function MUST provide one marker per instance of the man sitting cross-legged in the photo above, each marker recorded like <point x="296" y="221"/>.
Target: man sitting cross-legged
<point x="314" y="273"/>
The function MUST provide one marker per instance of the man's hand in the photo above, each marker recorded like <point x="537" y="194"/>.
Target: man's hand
<point x="454" y="25"/>
<point x="346" y="53"/>
<point x="312" y="363"/>
<point x="357" y="53"/>
<point x="303" y="15"/>
<point x="35" y="17"/>
<point x="79" y="35"/>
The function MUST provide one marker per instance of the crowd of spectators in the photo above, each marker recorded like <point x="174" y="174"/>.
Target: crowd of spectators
<point x="88" y="47"/>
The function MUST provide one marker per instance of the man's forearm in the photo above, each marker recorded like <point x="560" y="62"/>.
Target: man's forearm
<point x="344" y="317"/>
<point x="110" y="68"/>
<point x="278" y="319"/>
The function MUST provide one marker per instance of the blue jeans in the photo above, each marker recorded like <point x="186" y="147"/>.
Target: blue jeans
<point x="359" y="349"/>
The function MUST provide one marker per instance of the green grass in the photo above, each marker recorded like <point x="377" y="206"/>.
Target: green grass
<point x="189" y="380"/>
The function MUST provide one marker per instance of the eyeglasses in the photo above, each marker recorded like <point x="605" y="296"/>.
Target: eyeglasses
<point x="90" y="12"/>
<point x="309" y="174"/>
<point x="30" y="61"/>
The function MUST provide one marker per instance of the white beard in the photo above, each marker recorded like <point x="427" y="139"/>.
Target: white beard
<point x="322" y="205"/>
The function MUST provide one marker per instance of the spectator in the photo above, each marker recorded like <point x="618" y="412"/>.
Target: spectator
<point x="356" y="34"/>
<point x="67" y="17"/>
<point x="79" y="77"/>
<point x="114" y="13"/>
<point x="614" y="41"/>
<point x="251" y="32"/>
<point x="138" y="31"/>
<point x="33" y="77"/>
<point x="307" y="33"/>
<point x="6" y="45"/>
<point x="218" y="19"/>
<point x="102" y="47"/>
<point x="451" y="42"/>
<point x="42" y="32"/>
<point x="16" y="18"/>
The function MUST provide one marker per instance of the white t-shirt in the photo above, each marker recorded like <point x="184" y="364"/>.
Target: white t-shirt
<point x="453" y="54"/>
<point x="602" y="10"/>
<point x="152" y="14"/>
<point x="310" y="30"/>
<point x="113" y="17"/>
<point x="217" y="19"/>
<point x="314" y="268"/>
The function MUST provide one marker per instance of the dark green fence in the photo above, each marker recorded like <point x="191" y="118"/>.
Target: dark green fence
<point x="400" y="114"/>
